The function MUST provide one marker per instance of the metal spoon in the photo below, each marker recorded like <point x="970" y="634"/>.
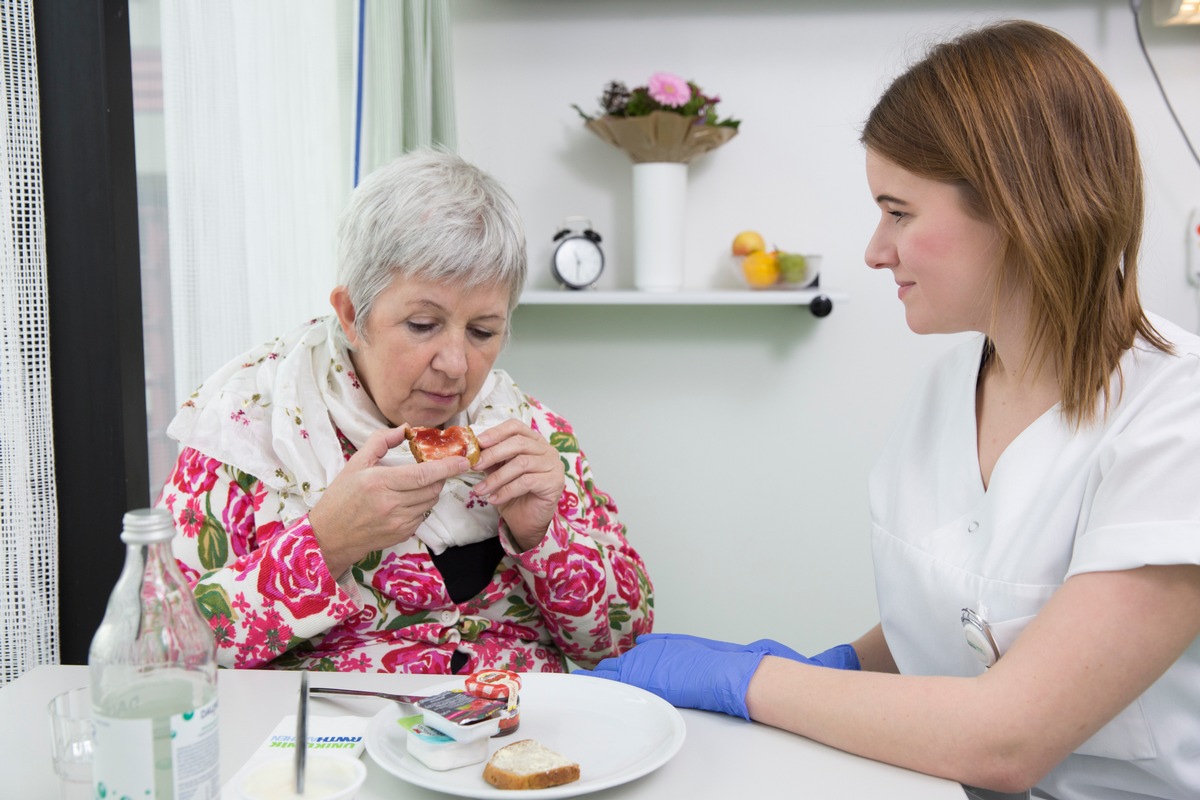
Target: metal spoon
<point x="302" y="733"/>
<point x="399" y="698"/>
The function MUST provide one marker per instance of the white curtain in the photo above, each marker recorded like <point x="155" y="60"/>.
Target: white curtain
<point x="266" y="132"/>
<point x="28" y="506"/>
<point x="407" y="80"/>
<point x="255" y="116"/>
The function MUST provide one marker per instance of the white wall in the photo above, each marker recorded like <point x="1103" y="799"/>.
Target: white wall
<point x="736" y="441"/>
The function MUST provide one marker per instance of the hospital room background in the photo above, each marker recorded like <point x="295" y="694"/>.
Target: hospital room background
<point x="736" y="439"/>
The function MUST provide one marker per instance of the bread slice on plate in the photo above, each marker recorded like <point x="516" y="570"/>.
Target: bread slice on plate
<point x="528" y="764"/>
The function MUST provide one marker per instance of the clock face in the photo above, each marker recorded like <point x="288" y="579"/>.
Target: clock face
<point x="578" y="262"/>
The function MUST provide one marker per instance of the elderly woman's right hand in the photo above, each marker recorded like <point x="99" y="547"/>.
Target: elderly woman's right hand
<point x="370" y="507"/>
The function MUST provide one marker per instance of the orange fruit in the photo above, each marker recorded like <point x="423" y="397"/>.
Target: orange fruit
<point x="748" y="242"/>
<point x="761" y="269"/>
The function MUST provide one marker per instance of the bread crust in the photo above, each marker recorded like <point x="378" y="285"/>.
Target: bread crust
<point x="473" y="448"/>
<point x="563" y="771"/>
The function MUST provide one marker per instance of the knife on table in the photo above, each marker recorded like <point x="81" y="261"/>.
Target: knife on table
<point x="301" y="732"/>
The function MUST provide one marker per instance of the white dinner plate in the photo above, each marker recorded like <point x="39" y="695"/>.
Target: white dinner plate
<point x="615" y="732"/>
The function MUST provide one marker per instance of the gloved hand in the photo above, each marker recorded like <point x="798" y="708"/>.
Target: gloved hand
<point x="694" y="672"/>
<point x="685" y="672"/>
<point x="841" y="657"/>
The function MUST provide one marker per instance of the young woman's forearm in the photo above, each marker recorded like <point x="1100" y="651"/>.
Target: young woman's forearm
<point x="873" y="653"/>
<point x="929" y="724"/>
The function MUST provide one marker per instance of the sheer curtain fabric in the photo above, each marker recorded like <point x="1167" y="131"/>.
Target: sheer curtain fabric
<point x="407" y="80"/>
<point x="28" y="507"/>
<point x="270" y="116"/>
<point x="255" y="116"/>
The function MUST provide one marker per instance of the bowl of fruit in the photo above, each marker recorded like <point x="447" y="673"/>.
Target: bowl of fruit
<point x="763" y="268"/>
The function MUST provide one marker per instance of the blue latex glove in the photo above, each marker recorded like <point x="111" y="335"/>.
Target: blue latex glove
<point x="685" y="672"/>
<point x="841" y="657"/>
<point x="693" y="672"/>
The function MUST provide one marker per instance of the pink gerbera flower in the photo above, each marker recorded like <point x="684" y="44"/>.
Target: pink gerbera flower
<point x="670" y="90"/>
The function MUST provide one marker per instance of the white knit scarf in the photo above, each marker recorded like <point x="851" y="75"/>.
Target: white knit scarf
<point x="272" y="413"/>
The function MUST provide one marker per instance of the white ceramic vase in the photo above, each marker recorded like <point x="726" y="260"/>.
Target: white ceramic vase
<point x="659" y="204"/>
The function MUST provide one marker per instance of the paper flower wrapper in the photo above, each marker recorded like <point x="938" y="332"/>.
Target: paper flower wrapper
<point x="660" y="136"/>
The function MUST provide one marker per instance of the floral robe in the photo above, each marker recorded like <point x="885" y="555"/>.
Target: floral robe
<point x="581" y="594"/>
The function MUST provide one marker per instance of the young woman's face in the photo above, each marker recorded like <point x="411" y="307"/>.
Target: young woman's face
<point x="942" y="258"/>
<point x="428" y="347"/>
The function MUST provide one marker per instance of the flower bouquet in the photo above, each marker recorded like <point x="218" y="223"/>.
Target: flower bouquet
<point x="669" y="120"/>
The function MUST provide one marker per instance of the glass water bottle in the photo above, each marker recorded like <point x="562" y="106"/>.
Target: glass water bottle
<point x="153" y="666"/>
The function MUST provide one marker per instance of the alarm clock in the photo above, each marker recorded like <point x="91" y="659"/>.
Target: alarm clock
<point x="578" y="260"/>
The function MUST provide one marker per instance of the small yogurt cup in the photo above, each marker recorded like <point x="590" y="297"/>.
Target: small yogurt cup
<point x="326" y="777"/>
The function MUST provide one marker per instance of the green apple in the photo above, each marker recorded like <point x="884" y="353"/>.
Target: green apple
<point x="793" y="267"/>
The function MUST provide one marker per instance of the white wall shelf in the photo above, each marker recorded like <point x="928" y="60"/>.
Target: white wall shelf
<point x="819" y="301"/>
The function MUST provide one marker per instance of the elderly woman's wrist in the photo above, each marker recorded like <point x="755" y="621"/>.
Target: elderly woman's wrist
<point x="337" y="559"/>
<point x="523" y="542"/>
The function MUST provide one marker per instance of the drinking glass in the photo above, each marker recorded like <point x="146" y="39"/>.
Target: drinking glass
<point x="71" y="735"/>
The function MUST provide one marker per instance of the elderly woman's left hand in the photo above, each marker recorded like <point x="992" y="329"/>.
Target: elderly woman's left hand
<point x="525" y="479"/>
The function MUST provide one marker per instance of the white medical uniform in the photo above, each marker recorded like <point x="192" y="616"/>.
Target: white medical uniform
<point x="1120" y="494"/>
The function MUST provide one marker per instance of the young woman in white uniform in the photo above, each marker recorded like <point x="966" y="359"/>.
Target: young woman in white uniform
<point x="1036" y="510"/>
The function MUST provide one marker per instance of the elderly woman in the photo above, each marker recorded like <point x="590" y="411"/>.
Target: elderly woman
<point x="312" y="536"/>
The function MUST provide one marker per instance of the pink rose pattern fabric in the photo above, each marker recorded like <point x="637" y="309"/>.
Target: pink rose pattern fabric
<point x="583" y="594"/>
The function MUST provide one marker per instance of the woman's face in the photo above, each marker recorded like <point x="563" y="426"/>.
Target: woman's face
<point x="428" y="347"/>
<point x="943" y="259"/>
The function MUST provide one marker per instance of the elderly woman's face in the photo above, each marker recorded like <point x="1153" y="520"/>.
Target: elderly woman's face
<point x="428" y="347"/>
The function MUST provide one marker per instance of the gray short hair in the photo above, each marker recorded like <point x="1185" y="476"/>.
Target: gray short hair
<point x="430" y="215"/>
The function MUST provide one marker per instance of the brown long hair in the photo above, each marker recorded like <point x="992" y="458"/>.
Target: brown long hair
<point x="1042" y="147"/>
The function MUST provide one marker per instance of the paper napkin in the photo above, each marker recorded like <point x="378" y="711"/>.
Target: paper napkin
<point x="341" y="736"/>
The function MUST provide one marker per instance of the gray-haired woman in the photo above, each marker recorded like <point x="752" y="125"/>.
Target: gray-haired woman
<point x="311" y="535"/>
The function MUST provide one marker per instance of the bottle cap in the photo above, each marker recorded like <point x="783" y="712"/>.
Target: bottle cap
<point x="147" y="526"/>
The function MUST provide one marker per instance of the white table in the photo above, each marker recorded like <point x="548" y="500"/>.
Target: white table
<point x="722" y="757"/>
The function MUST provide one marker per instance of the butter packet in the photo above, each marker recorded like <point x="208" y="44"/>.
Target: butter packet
<point x="340" y="736"/>
<point x="438" y="751"/>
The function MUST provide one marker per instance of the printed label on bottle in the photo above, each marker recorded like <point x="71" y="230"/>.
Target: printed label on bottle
<point x="173" y="756"/>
